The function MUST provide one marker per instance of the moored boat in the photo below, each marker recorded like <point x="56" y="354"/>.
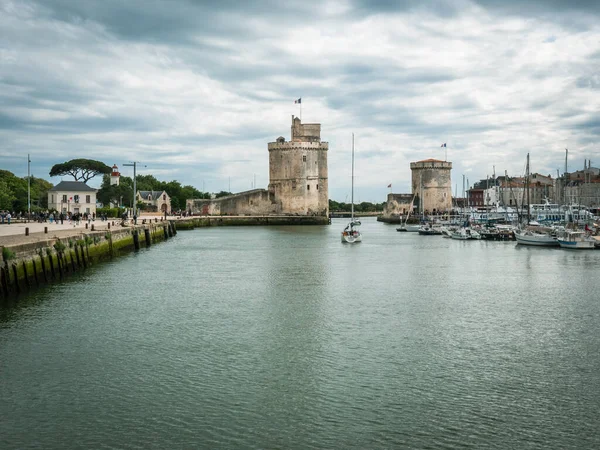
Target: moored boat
<point x="541" y="239"/>
<point x="579" y="240"/>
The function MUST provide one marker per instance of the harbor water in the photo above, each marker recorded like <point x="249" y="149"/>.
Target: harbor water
<point x="283" y="337"/>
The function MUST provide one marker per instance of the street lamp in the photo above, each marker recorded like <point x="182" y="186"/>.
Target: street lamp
<point x="134" y="165"/>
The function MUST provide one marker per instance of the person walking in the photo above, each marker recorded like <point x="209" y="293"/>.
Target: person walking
<point x="8" y="217"/>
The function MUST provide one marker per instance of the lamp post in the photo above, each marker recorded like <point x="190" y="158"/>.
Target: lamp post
<point x="28" y="188"/>
<point x="134" y="165"/>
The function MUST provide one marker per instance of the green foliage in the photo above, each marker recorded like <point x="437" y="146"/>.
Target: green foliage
<point x="70" y="243"/>
<point x="222" y="194"/>
<point x="360" y="207"/>
<point x="7" y="196"/>
<point x="96" y="239"/>
<point x="118" y="195"/>
<point x="87" y="240"/>
<point x="107" y="235"/>
<point x="110" y="212"/>
<point x="7" y="254"/>
<point x="13" y="192"/>
<point x="80" y="169"/>
<point x="59" y="247"/>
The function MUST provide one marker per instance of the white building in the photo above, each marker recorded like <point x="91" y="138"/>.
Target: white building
<point x="72" y="197"/>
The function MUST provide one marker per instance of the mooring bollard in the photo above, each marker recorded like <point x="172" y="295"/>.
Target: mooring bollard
<point x="92" y="227"/>
<point x="26" y="231"/>
<point x="46" y="230"/>
<point x="109" y="225"/>
<point x="86" y="226"/>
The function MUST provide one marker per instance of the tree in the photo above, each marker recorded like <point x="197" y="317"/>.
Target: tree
<point x="6" y="196"/>
<point x="118" y="195"/>
<point x="222" y="194"/>
<point x="80" y="169"/>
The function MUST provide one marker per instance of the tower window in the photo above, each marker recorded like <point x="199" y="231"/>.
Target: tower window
<point x="308" y="187"/>
<point x="317" y="187"/>
<point x="304" y="158"/>
<point x="293" y="185"/>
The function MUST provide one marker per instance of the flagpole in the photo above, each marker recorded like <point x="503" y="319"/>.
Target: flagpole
<point x="300" y="109"/>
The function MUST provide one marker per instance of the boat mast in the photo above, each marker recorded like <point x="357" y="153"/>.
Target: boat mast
<point x="352" y="214"/>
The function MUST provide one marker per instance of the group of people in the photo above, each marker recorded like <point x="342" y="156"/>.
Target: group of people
<point x="6" y="216"/>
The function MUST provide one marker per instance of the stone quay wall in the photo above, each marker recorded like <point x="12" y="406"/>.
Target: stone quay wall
<point x="26" y="265"/>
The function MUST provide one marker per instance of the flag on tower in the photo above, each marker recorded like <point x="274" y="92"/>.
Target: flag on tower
<point x="298" y="101"/>
<point x="443" y="145"/>
<point x="390" y="185"/>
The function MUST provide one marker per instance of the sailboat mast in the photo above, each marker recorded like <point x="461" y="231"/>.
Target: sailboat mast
<point x="352" y="177"/>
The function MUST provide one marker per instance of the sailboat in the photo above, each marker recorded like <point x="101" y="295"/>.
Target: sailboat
<point x="351" y="234"/>
<point x="527" y="235"/>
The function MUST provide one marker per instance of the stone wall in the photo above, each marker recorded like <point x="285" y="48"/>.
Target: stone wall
<point x="255" y="202"/>
<point x="397" y="205"/>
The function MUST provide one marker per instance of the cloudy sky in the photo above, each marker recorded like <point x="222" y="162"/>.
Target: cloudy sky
<point x="195" y="90"/>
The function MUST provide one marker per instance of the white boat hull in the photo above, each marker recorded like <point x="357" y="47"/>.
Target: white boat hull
<point x="412" y="227"/>
<point x="351" y="237"/>
<point x="579" y="245"/>
<point x="537" y="239"/>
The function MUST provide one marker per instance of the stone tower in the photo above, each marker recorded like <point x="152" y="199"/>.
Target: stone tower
<point x="431" y="177"/>
<point x="298" y="171"/>
<point x="115" y="176"/>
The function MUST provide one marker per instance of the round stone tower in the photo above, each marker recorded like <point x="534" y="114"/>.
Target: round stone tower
<point x="298" y="171"/>
<point x="432" y="184"/>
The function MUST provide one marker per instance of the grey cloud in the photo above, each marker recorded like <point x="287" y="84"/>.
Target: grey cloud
<point x="588" y="82"/>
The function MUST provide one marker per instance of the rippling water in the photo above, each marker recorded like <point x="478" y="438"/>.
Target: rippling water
<point x="265" y="337"/>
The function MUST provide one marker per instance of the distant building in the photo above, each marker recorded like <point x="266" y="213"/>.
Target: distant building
<point x="156" y="201"/>
<point x="298" y="180"/>
<point x="72" y="197"/>
<point x="432" y="183"/>
<point x="431" y="191"/>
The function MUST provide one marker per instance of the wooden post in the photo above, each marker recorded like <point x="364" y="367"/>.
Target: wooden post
<point x="46" y="230"/>
<point x="4" y="281"/>
<point x="44" y="268"/>
<point x="35" y="275"/>
<point x="16" y="279"/>
<point x="51" y="265"/>
<point x="148" y="237"/>
<point x="136" y="240"/>
<point x="26" y="231"/>
<point x="25" y="274"/>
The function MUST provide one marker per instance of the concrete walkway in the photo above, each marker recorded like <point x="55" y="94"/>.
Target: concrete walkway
<point x="14" y="233"/>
